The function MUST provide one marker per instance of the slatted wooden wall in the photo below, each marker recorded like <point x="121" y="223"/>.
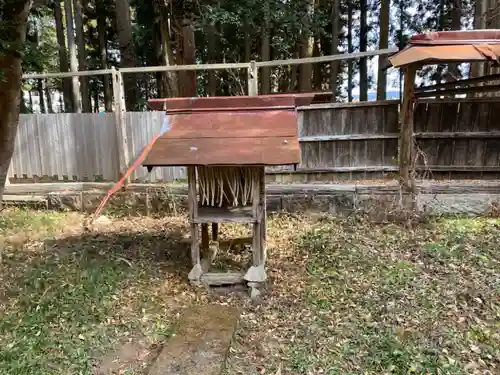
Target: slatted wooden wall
<point x="83" y="147"/>
<point x="458" y="138"/>
<point x="65" y="146"/>
<point x="345" y="141"/>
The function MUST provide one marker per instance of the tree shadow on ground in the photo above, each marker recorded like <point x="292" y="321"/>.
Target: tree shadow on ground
<point x="68" y="298"/>
<point x="167" y="250"/>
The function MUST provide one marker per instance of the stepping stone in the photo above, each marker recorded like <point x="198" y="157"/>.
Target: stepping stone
<point x="200" y="344"/>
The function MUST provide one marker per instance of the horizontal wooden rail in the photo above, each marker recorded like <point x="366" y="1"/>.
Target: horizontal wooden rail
<point x="457" y="100"/>
<point x="347" y="137"/>
<point x="462" y="82"/>
<point x="374" y="103"/>
<point x="174" y="68"/>
<point x="462" y="135"/>
<point x="243" y="65"/>
<point x="458" y="91"/>
<point x="325" y="59"/>
<point x="382" y="168"/>
<point x="459" y="168"/>
<point x="68" y="74"/>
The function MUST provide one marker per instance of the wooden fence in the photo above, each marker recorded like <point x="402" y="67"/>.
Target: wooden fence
<point x="458" y="138"/>
<point x="346" y="141"/>
<point x="83" y="147"/>
<point x="455" y="139"/>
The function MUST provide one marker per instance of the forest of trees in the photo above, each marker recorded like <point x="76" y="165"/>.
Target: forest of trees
<point x="98" y="34"/>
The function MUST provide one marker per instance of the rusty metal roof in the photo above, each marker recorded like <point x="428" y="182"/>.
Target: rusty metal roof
<point x="450" y="46"/>
<point x="228" y="131"/>
<point x="457" y="37"/>
<point x="218" y="102"/>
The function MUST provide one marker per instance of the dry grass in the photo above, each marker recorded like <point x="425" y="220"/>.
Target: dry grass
<point x="344" y="296"/>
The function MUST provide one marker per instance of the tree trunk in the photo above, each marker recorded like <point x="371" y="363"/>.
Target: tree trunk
<point x="188" y="87"/>
<point x="96" y="101"/>
<point x="103" y="54"/>
<point x="248" y="39"/>
<point x="23" y="107"/>
<point x="161" y="87"/>
<point x="363" y="42"/>
<point x="306" y="49"/>
<point x="335" y="65"/>
<point x="476" y="68"/>
<point x="41" y="95"/>
<point x="49" y="98"/>
<point x="485" y="7"/>
<point x="212" y="59"/>
<point x="169" y="81"/>
<point x="317" y="68"/>
<point x="15" y="13"/>
<point x="30" y="96"/>
<point x="82" y="56"/>
<point x="73" y="62"/>
<point x="265" y="49"/>
<point x="247" y="48"/>
<point x="128" y="57"/>
<point x="294" y="74"/>
<point x="383" y="44"/>
<point x="401" y="44"/>
<point x="67" y="84"/>
<point x="439" y="70"/>
<point x="39" y="81"/>
<point x="350" y="70"/>
<point x="456" y="24"/>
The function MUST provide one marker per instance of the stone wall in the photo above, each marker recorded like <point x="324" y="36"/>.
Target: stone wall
<point x="384" y="201"/>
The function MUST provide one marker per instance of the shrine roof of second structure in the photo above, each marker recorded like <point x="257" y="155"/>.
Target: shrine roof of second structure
<point x="450" y="46"/>
<point x="238" y="130"/>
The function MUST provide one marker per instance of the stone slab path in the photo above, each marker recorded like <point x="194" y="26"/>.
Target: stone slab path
<point x="201" y="342"/>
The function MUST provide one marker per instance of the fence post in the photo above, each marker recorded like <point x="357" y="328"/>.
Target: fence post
<point x="253" y="79"/>
<point x="119" y="110"/>
<point x="406" y="146"/>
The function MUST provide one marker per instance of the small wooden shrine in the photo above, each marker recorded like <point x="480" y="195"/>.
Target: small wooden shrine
<point x="226" y="143"/>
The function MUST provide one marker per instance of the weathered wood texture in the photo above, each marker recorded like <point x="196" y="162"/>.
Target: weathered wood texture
<point x="82" y="147"/>
<point x="66" y="146"/>
<point x="347" y="141"/>
<point x="228" y="138"/>
<point x="458" y="139"/>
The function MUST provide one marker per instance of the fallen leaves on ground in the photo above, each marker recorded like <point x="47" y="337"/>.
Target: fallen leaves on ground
<point x="352" y="297"/>
<point x="344" y="296"/>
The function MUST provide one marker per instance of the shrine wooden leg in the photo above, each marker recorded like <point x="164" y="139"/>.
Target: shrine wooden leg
<point x="263" y="240"/>
<point x="204" y="237"/>
<point x="257" y="273"/>
<point x="215" y="231"/>
<point x="256" y="245"/>
<point x="196" y="271"/>
<point x="263" y="221"/>
<point x="209" y="249"/>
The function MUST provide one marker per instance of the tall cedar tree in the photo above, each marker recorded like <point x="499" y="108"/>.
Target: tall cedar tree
<point x="13" y="21"/>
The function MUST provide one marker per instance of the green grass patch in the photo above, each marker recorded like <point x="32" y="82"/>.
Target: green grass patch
<point x="391" y="301"/>
<point x="16" y="219"/>
<point x="57" y="314"/>
<point x="67" y="301"/>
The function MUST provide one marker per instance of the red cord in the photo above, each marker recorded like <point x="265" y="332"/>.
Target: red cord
<point x="120" y="183"/>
